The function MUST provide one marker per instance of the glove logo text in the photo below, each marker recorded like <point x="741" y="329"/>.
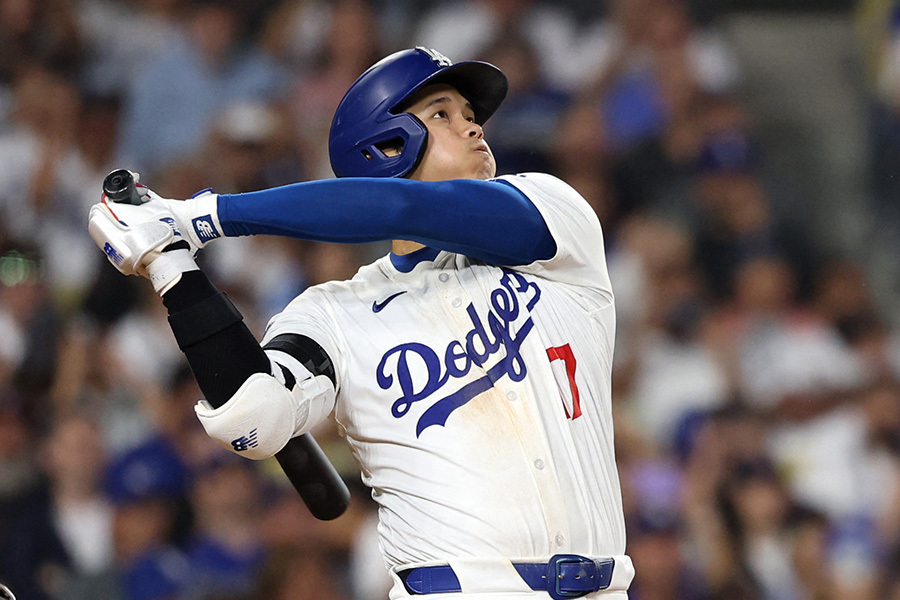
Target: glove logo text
<point x="245" y="442"/>
<point x="113" y="254"/>
<point x="205" y="229"/>
<point x="482" y="342"/>
<point x="171" y="223"/>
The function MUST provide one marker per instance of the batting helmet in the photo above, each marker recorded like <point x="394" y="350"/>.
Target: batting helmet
<point x="367" y="120"/>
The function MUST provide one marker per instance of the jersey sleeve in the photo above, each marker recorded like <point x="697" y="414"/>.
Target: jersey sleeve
<point x="308" y="315"/>
<point x="580" y="257"/>
<point x="486" y="220"/>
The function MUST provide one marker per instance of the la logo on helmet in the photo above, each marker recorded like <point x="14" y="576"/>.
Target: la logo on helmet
<point x="436" y="56"/>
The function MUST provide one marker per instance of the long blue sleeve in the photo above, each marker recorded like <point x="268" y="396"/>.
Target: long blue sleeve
<point x="487" y="220"/>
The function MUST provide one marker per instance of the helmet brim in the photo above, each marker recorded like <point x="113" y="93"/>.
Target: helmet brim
<point x="481" y="83"/>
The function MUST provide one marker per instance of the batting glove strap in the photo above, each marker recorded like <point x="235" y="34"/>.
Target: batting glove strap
<point x="198" y="218"/>
<point x="166" y="270"/>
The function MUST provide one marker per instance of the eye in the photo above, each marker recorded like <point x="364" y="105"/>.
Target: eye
<point x="441" y="114"/>
<point x="470" y="119"/>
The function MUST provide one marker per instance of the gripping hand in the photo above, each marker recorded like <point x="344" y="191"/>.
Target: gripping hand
<point x="141" y="240"/>
<point x="196" y="218"/>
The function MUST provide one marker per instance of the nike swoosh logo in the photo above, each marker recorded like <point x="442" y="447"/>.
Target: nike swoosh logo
<point x="376" y="306"/>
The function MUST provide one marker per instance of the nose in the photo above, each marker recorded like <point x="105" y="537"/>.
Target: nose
<point x="474" y="130"/>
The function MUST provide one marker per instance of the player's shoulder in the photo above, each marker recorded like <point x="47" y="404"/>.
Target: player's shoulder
<point x="536" y="176"/>
<point x="320" y="310"/>
<point x="337" y="290"/>
<point x="544" y="187"/>
<point x="544" y="181"/>
<point x="551" y="194"/>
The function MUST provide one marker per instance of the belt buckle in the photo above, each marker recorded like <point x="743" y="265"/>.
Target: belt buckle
<point x="554" y="576"/>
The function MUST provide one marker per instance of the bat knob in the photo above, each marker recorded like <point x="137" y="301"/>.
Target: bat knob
<point x="119" y="186"/>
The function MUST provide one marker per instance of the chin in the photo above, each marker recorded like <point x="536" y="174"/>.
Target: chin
<point x="486" y="170"/>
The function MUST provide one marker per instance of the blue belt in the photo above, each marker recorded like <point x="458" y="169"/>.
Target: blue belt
<point x="563" y="576"/>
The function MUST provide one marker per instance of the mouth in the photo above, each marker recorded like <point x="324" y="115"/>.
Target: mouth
<point x="482" y="147"/>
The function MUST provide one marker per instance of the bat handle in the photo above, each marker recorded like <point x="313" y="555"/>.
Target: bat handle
<point x="317" y="482"/>
<point x="119" y="186"/>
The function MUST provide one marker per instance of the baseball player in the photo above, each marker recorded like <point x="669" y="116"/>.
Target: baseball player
<point x="469" y="369"/>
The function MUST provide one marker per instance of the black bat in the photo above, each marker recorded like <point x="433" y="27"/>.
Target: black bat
<point x="119" y="186"/>
<point x="302" y="460"/>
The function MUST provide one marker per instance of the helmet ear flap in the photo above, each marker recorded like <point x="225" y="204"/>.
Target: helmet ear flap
<point x="414" y="149"/>
<point x="394" y="149"/>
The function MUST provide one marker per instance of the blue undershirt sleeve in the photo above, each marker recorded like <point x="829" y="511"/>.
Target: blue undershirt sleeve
<point x="487" y="220"/>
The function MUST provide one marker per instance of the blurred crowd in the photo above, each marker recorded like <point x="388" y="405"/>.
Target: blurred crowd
<point x="756" y="378"/>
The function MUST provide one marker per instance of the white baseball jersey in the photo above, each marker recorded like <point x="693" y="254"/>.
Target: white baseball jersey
<point x="476" y="398"/>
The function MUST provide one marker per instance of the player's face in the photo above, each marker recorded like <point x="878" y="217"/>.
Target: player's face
<point x="456" y="148"/>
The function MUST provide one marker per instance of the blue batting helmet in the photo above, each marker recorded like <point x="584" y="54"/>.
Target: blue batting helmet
<point x="368" y="121"/>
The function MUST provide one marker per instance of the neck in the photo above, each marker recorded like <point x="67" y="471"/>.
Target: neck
<point x="400" y="247"/>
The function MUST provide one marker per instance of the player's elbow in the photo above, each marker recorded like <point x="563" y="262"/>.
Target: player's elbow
<point x="263" y="415"/>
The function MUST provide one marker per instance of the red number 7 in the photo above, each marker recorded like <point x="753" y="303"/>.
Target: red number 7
<point x="564" y="353"/>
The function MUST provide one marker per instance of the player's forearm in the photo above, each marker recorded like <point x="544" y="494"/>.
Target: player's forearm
<point x="223" y="360"/>
<point x="488" y="220"/>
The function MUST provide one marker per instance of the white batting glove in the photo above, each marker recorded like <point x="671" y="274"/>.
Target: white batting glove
<point x="141" y="240"/>
<point x="197" y="218"/>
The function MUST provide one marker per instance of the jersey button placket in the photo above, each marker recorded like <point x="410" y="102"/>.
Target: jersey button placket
<point x="554" y="510"/>
<point x="453" y="295"/>
<point x="449" y="295"/>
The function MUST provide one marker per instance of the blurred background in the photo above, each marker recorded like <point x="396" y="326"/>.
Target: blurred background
<point x="742" y="156"/>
